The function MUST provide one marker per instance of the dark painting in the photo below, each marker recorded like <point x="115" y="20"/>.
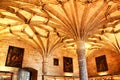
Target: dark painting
<point x="14" y="57"/>
<point x="101" y="63"/>
<point x="68" y="64"/>
<point x="56" y="61"/>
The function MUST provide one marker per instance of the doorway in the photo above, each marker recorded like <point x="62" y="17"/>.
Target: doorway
<point x="27" y="74"/>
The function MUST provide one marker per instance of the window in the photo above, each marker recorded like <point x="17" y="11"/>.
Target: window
<point x="24" y="75"/>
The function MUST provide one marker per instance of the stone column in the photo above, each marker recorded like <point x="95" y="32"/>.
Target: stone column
<point x="44" y="68"/>
<point x="82" y="60"/>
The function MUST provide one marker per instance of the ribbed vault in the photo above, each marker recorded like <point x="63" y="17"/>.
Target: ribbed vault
<point x="49" y="24"/>
<point x="76" y="19"/>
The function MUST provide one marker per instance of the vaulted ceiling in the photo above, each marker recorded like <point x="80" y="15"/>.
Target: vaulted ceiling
<point x="49" y="24"/>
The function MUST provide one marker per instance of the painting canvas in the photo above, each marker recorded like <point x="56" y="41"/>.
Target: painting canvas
<point x="101" y="63"/>
<point x="56" y="62"/>
<point x="68" y="64"/>
<point x="14" y="57"/>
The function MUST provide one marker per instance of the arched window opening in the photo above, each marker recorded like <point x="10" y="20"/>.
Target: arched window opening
<point x="24" y="75"/>
<point x="27" y="74"/>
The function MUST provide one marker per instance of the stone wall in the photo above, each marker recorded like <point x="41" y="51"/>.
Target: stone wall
<point x="112" y="59"/>
<point x="33" y="59"/>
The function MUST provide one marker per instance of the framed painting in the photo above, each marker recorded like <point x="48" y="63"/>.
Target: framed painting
<point x="68" y="64"/>
<point x="55" y="61"/>
<point x="14" y="57"/>
<point x="101" y="63"/>
<point x="4" y="75"/>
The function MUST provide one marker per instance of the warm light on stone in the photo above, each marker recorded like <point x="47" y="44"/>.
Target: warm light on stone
<point x="102" y="73"/>
<point x="5" y="68"/>
<point x="68" y="74"/>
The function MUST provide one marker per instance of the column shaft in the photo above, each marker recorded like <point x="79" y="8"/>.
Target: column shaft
<point x="82" y="60"/>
